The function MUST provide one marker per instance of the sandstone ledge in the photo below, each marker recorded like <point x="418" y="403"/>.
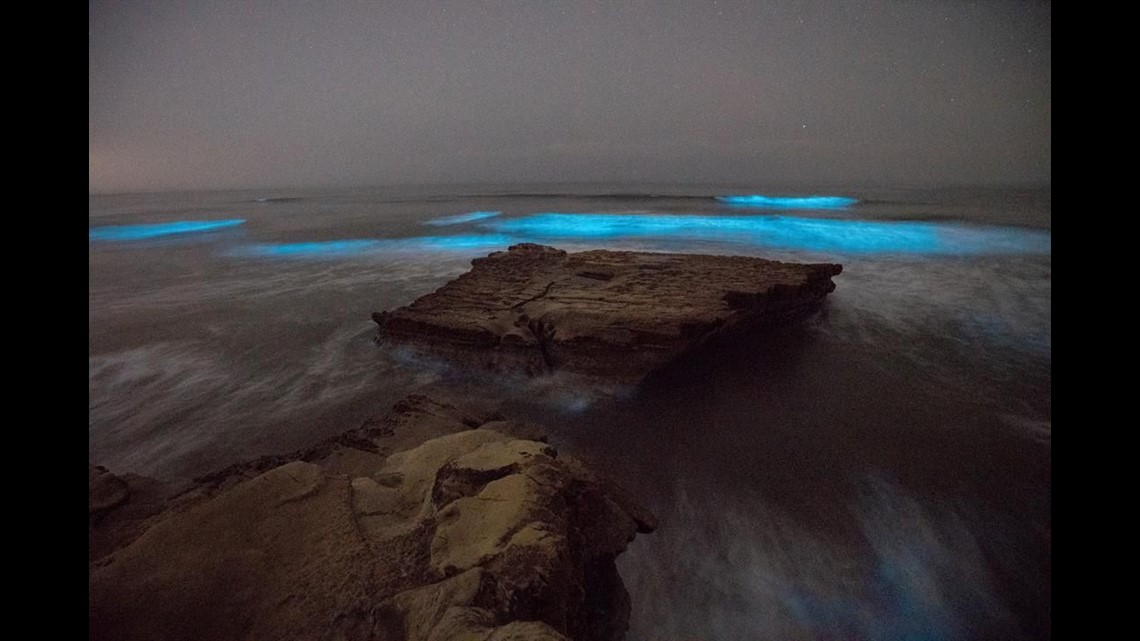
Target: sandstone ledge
<point x="471" y="534"/>
<point x="614" y="314"/>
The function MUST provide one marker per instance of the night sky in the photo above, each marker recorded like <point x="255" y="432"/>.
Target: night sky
<point x="281" y="93"/>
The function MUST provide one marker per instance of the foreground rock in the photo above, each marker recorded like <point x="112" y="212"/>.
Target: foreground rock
<point x="473" y="534"/>
<point x="602" y="313"/>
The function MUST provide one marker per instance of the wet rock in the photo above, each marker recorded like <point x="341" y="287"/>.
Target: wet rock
<point x="469" y="534"/>
<point x="105" y="491"/>
<point x="613" y="314"/>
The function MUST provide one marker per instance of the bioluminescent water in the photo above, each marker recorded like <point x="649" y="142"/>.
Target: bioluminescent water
<point x="881" y="471"/>
<point x="785" y="232"/>
<point x="459" y="219"/>
<point x="374" y="246"/>
<point x="788" y="202"/>
<point x="158" y="230"/>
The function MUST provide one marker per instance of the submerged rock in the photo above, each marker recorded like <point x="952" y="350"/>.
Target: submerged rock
<point x="614" y="314"/>
<point x="472" y="533"/>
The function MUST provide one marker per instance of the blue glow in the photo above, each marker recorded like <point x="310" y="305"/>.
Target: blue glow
<point x="788" y="202"/>
<point x="323" y="248"/>
<point x="462" y="218"/>
<point x="379" y="246"/>
<point x="785" y="232"/>
<point x="902" y="609"/>
<point x="143" y="232"/>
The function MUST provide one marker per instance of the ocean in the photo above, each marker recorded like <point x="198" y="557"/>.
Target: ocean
<point x="882" y="471"/>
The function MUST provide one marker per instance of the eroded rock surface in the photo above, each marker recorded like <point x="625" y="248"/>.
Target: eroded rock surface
<point x="615" y="314"/>
<point x="471" y="534"/>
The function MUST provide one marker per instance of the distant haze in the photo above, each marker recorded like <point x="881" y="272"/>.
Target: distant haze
<point x="210" y="94"/>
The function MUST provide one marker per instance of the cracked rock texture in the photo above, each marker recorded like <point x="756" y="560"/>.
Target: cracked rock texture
<point x="473" y="533"/>
<point x="613" y="314"/>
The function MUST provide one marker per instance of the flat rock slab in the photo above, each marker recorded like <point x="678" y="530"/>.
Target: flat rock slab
<point x="615" y="314"/>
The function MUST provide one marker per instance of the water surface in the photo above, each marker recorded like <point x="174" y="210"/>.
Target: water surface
<point x="880" y="472"/>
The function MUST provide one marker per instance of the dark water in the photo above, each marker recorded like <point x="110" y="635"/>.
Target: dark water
<point x="882" y="472"/>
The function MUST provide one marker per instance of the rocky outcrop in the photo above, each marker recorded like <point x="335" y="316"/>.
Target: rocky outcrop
<point x="471" y="534"/>
<point x="614" y="314"/>
<point x="119" y="507"/>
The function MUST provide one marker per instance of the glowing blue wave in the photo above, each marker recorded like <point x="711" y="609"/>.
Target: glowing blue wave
<point x="462" y="218"/>
<point x="788" y="202"/>
<point x="143" y="232"/>
<point x="784" y="232"/>
<point x="378" y="246"/>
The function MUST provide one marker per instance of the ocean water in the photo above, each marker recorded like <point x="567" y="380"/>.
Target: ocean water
<point x="882" y="471"/>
